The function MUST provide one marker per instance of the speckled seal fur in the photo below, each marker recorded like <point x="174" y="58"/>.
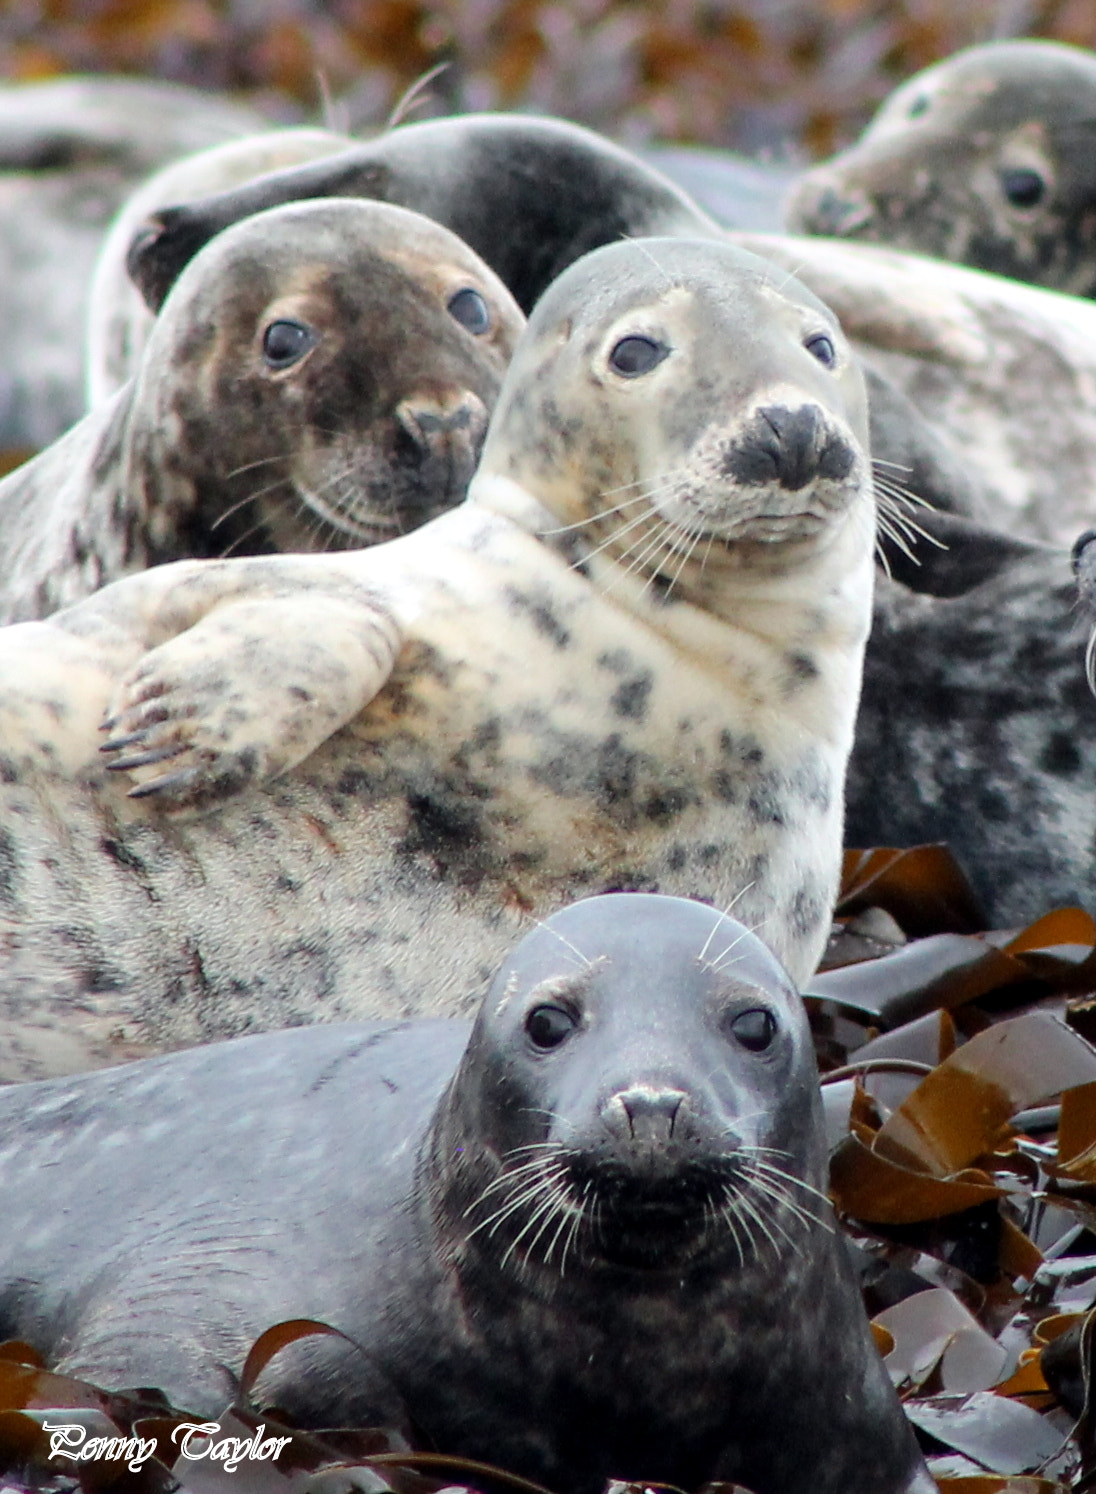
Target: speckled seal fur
<point x="976" y="724"/>
<point x="363" y="417"/>
<point x="630" y="661"/>
<point x="595" y="1245"/>
<point x="987" y="158"/>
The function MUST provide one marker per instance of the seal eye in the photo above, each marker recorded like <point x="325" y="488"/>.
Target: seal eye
<point x="285" y="343"/>
<point x="754" y="1029"/>
<point x="918" y="106"/>
<point x="1023" y="188"/>
<point x="634" y="356"/>
<point x="470" y="309"/>
<point x="548" y="1026"/>
<point x="823" y="349"/>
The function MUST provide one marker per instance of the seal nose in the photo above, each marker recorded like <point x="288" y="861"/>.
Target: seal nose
<point x="792" y="443"/>
<point x="437" y="426"/>
<point x="817" y="207"/>
<point x="642" y="1114"/>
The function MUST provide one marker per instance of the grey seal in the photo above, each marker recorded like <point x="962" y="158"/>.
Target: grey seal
<point x="593" y="1244"/>
<point x="976" y="725"/>
<point x="529" y="194"/>
<point x="985" y="158"/>
<point x="629" y="662"/>
<point x="320" y="377"/>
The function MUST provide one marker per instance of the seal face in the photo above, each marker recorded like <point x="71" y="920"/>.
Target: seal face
<point x="319" y="378"/>
<point x="985" y="158"/>
<point x="630" y="661"/>
<point x="595" y="1245"/>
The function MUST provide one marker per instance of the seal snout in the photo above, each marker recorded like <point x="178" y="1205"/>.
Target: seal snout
<point x="643" y="1115"/>
<point x="448" y="429"/>
<point x="793" y="446"/>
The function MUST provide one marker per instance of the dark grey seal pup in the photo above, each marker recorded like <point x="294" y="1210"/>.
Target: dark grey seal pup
<point x="594" y="1245"/>
<point x="987" y="158"/>
<point x="319" y="378"/>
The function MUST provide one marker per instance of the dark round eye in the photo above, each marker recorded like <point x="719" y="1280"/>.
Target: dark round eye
<point x="634" y="356"/>
<point x="823" y="349"/>
<point x="285" y="342"/>
<point x="918" y="106"/>
<point x="1023" y="188"/>
<point x="547" y="1026"/>
<point x="470" y="309"/>
<point x="754" y="1029"/>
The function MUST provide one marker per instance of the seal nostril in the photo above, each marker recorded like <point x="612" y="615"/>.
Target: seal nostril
<point x="793" y="444"/>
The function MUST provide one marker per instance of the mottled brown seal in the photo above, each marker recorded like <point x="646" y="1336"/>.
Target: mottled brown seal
<point x="319" y="378"/>
<point x="986" y="158"/>
<point x="631" y="661"/>
<point x="595" y="1245"/>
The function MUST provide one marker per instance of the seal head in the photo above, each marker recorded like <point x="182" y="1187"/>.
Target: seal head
<point x="986" y="159"/>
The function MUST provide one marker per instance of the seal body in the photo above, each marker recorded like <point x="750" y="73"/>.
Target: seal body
<point x="985" y="158"/>
<point x="318" y="379"/>
<point x="631" y="660"/>
<point x="529" y="194"/>
<point x="594" y="1245"/>
<point x="976" y="724"/>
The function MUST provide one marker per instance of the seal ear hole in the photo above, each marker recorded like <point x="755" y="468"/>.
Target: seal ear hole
<point x="755" y="1029"/>
<point x="1023" y="186"/>
<point x="285" y="342"/>
<point x="549" y="1025"/>
<point x="821" y="347"/>
<point x="632" y="357"/>
<point x="469" y="308"/>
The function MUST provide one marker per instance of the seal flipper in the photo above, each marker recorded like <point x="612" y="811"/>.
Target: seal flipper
<point x="248" y="692"/>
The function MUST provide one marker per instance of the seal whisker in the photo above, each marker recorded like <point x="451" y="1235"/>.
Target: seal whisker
<point x="779" y="1196"/>
<point x="514" y="1205"/>
<point x="617" y="534"/>
<point x="541" y="1216"/>
<point x="602" y="513"/>
<point x="724" y="912"/>
<point x="281" y="456"/>
<point x="585" y="962"/>
<point x="770" y="1170"/>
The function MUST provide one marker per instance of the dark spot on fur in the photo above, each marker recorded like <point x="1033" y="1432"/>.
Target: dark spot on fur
<point x="1060" y="755"/>
<point x="8" y="771"/>
<point x="616" y="771"/>
<point x="993" y="804"/>
<point x="446" y="829"/>
<point x="801" y="669"/>
<point x="807" y="910"/>
<point x="541" y="615"/>
<point x="676" y="859"/>
<point x="8" y="865"/>
<point x="725" y="786"/>
<point x="630" y="697"/>
<point x="662" y="807"/>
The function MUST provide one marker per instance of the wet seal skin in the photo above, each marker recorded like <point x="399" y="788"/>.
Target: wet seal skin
<point x="320" y="378"/>
<point x="630" y="661"/>
<point x="976" y="725"/>
<point x="987" y="158"/>
<point x="591" y="1244"/>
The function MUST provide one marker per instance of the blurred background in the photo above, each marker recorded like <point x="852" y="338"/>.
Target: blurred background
<point x="774" y="78"/>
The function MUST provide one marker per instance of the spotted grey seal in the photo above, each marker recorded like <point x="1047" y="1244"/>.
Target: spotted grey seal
<point x="630" y="661"/>
<point x="976" y="726"/>
<point x="319" y="377"/>
<point x="593" y="1245"/>
<point x="985" y="158"/>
